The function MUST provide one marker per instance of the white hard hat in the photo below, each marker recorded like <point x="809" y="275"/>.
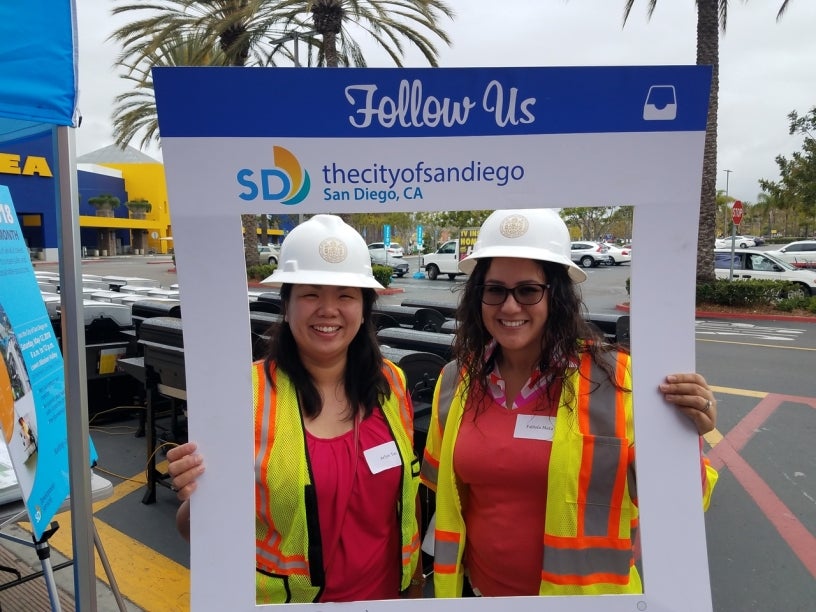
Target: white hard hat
<point x="324" y="251"/>
<point x="535" y="233"/>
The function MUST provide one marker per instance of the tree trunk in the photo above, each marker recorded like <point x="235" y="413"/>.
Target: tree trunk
<point x="708" y="53"/>
<point x="264" y="229"/>
<point x="250" y="224"/>
<point x="328" y="21"/>
<point x="330" y="49"/>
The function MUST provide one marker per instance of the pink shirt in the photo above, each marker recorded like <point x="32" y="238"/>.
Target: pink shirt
<point x="358" y="514"/>
<point x="505" y="481"/>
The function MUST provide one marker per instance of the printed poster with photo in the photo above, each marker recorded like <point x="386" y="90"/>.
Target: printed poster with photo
<point x="32" y="384"/>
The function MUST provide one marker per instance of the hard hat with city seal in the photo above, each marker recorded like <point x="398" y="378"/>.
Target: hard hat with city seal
<point x="324" y="250"/>
<point x="534" y="233"/>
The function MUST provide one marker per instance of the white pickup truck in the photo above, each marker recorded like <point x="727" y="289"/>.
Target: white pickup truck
<point x="444" y="261"/>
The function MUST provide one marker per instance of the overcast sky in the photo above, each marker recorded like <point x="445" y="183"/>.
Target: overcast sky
<point x="766" y="68"/>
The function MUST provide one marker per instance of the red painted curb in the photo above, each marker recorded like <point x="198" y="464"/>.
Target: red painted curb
<point x="707" y="314"/>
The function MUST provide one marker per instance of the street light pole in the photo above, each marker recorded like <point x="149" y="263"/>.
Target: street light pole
<point x="727" y="176"/>
<point x="733" y="228"/>
<point x="295" y="36"/>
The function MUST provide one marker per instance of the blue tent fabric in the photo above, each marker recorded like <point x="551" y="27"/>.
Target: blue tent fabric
<point x="38" y="61"/>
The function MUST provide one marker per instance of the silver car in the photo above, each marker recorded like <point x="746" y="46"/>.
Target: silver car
<point x="801" y="253"/>
<point x="590" y="254"/>
<point x="391" y="256"/>
<point x="269" y="253"/>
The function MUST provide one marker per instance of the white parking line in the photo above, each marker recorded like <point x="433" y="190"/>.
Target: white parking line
<point x="747" y="330"/>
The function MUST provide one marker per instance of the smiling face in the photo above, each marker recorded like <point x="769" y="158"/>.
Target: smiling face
<point x="324" y="320"/>
<point x="518" y="328"/>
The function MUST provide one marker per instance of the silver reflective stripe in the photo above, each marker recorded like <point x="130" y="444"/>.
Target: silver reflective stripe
<point x="429" y="472"/>
<point x="599" y="495"/>
<point x="602" y="413"/>
<point x="447" y="388"/>
<point x="587" y="561"/>
<point x="276" y="560"/>
<point x="264" y="447"/>
<point x="445" y="553"/>
<point x="606" y="451"/>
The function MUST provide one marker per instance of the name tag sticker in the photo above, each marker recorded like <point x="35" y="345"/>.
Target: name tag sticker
<point x="382" y="457"/>
<point x="533" y="427"/>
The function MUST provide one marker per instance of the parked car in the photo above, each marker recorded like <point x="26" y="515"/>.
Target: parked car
<point x="743" y="242"/>
<point x="590" y="254"/>
<point x="762" y="265"/>
<point x="269" y="253"/>
<point x="619" y="255"/>
<point x="801" y="253"/>
<point x="392" y="256"/>
<point x="758" y="240"/>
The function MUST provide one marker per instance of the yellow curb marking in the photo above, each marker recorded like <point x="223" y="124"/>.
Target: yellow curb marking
<point x="144" y="577"/>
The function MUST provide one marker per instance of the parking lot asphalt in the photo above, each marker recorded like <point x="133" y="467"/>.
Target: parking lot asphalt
<point x="761" y="547"/>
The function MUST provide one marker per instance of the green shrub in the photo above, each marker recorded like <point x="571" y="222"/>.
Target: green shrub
<point x="260" y="272"/>
<point x="382" y="274"/>
<point x="747" y="292"/>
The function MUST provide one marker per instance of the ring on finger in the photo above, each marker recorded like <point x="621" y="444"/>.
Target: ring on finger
<point x="707" y="406"/>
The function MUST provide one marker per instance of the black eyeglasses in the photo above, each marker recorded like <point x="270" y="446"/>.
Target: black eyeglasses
<point x="528" y="294"/>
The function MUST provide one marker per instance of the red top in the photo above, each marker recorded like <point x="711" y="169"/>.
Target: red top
<point x="358" y="515"/>
<point x="505" y="494"/>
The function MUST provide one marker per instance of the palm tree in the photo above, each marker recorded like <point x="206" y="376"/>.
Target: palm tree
<point x="767" y="202"/>
<point x="711" y="16"/>
<point x="244" y="32"/>
<point x="386" y="21"/>
<point x="135" y="110"/>
<point x="783" y="7"/>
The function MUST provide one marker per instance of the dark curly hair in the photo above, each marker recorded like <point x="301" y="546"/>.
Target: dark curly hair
<point x="566" y="335"/>
<point x="365" y="384"/>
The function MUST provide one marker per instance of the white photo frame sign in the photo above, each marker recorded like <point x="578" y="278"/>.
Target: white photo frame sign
<point x="283" y="141"/>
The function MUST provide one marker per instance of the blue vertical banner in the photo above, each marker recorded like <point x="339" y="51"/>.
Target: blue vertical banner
<point x="32" y="384"/>
<point x="387" y="235"/>
<point x="419" y="236"/>
<point x="38" y="55"/>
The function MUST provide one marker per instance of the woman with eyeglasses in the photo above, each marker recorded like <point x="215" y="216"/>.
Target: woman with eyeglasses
<point x="531" y="443"/>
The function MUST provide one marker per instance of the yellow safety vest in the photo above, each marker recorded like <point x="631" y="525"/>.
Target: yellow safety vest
<point x="288" y="551"/>
<point x="591" y="512"/>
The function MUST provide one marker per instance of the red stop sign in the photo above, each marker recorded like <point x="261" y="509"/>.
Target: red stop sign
<point x="736" y="212"/>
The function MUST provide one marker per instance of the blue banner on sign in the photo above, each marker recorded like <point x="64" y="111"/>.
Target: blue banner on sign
<point x="419" y="235"/>
<point x="387" y="235"/>
<point x="438" y="102"/>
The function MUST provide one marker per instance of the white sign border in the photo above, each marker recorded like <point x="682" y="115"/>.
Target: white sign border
<point x="216" y="329"/>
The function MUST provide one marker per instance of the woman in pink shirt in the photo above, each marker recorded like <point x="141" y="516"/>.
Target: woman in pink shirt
<point x="531" y="443"/>
<point x="336" y="475"/>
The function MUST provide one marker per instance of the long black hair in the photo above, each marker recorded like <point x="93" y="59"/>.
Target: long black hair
<point x="566" y="335"/>
<point x="365" y="384"/>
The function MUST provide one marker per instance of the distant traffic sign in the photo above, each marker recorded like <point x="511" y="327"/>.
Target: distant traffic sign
<point x="736" y="212"/>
